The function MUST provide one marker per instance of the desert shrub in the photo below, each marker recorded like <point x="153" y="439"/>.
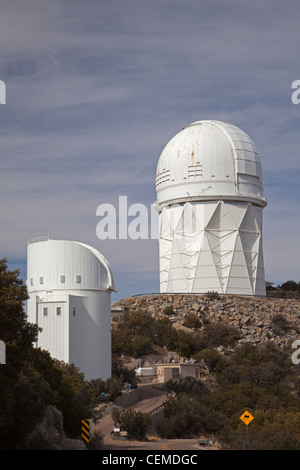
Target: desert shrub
<point x="96" y="442"/>
<point x="134" y="422"/>
<point x="192" y="321"/>
<point x="188" y="415"/>
<point x="212" y="295"/>
<point x="265" y="366"/>
<point x="270" y="430"/>
<point x="188" y="385"/>
<point x="212" y="358"/>
<point x="138" y="333"/>
<point x="168" y="311"/>
<point x="279" y="324"/>
<point x="214" y="335"/>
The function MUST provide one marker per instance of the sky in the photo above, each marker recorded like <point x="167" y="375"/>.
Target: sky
<point x="96" y="89"/>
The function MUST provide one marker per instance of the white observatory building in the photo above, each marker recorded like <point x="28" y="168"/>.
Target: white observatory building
<point x="69" y="286"/>
<point x="210" y="202"/>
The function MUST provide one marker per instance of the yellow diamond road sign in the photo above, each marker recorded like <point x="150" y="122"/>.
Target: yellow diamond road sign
<point x="246" y="417"/>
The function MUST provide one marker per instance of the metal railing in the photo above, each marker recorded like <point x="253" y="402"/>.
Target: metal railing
<point x="39" y="239"/>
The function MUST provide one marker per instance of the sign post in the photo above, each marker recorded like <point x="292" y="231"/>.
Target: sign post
<point x="86" y="431"/>
<point x="247" y="418"/>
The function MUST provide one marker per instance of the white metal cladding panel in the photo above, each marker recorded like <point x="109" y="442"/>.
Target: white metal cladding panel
<point x="32" y="309"/>
<point x="249" y="168"/>
<point x="196" y="145"/>
<point x="224" y="253"/>
<point x="54" y="334"/>
<point x="86" y="340"/>
<point x="203" y="160"/>
<point x="90" y="334"/>
<point x="62" y="264"/>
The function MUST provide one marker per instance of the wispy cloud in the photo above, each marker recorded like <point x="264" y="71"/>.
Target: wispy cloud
<point x="96" y="89"/>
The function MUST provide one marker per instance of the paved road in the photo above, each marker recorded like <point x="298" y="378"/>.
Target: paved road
<point x="150" y="398"/>
<point x="164" y="444"/>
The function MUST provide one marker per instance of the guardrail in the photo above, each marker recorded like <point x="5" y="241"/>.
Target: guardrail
<point x="158" y="408"/>
<point x="117" y="438"/>
<point x="220" y="294"/>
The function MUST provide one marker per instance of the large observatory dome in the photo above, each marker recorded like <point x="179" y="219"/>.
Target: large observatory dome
<point x="209" y="160"/>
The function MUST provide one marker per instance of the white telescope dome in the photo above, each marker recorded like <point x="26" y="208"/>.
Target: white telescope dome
<point x="69" y="285"/>
<point x="209" y="160"/>
<point x="51" y="259"/>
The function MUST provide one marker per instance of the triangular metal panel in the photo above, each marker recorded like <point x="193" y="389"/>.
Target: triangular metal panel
<point x="221" y="219"/>
<point x="198" y="216"/>
<point x="209" y="209"/>
<point x="249" y="222"/>
<point x="237" y="212"/>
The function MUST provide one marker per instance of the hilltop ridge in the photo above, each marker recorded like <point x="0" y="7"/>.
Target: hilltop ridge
<point x="258" y="319"/>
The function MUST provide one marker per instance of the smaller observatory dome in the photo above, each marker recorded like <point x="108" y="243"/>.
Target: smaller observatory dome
<point x="209" y="160"/>
<point x="50" y="260"/>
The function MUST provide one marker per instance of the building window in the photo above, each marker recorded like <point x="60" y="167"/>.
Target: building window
<point x="45" y="311"/>
<point x="31" y="281"/>
<point x="58" y="311"/>
<point x="41" y="280"/>
<point x="175" y="373"/>
<point x="78" y="279"/>
<point x="62" y="279"/>
<point x="74" y="310"/>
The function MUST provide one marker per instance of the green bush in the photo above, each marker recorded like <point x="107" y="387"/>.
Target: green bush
<point x="134" y="422"/>
<point x="215" y="335"/>
<point x="290" y="286"/>
<point x="187" y="416"/>
<point x="192" y="321"/>
<point x="212" y="358"/>
<point x="168" y="311"/>
<point x="139" y="333"/>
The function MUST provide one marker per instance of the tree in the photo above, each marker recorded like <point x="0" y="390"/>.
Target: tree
<point x="212" y="358"/>
<point x="24" y="393"/>
<point x="290" y="286"/>
<point x="134" y="422"/>
<point x="184" y="343"/>
<point x="74" y="398"/>
<point x="188" y="385"/>
<point x="31" y="380"/>
<point x="122" y="372"/>
<point x="188" y="415"/>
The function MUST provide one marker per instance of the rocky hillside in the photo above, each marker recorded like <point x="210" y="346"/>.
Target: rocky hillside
<point x="258" y="319"/>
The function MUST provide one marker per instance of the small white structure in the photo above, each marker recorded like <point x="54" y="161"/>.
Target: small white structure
<point x="69" y="286"/>
<point x="210" y="201"/>
<point x="145" y="371"/>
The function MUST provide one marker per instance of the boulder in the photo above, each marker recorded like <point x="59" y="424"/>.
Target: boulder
<point x="49" y="434"/>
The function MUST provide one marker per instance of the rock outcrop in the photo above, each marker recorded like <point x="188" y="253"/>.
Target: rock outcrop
<point x="49" y="434"/>
<point x="254" y="317"/>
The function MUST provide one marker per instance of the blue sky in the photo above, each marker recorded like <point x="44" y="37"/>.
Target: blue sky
<point x="95" y="90"/>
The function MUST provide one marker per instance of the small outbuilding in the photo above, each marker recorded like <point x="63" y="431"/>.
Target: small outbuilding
<point x="175" y="372"/>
